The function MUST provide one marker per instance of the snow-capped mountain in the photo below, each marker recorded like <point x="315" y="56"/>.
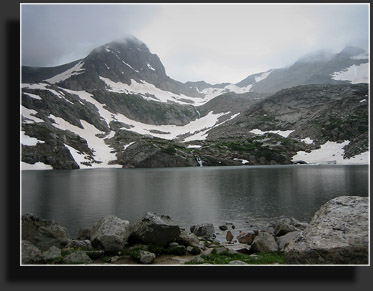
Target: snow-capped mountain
<point x="348" y="66"/>
<point x="118" y="108"/>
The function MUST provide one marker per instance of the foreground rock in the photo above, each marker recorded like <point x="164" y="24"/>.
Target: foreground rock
<point x="155" y="229"/>
<point x="44" y="233"/>
<point x="337" y="234"/>
<point x="110" y="233"/>
<point x="264" y="242"/>
<point x="205" y="230"/>
<point x="31" y="254"/>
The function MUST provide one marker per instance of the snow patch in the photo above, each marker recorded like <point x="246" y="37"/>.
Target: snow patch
<point x="76" y="70"/>
<point x="32" y="95"/>
<point x="29" y="114"/>
<point x="354" y="74"/>
<point x="262" y="76"/>
<point x="130" y="66"/>
<point x="284" y="133"/>
<point x="28" y="140"/>
<point x="127" y="145"/>
<point x="36" y="166"/>
<point x="102" y="152"/>
<point x="150" y="67"/>
<point x="331" y="151"/>
<point x="193" y="146"/>
<point x="78" y="157"/>
<point x="238" y="90"/>
<point x="307" y="140"/>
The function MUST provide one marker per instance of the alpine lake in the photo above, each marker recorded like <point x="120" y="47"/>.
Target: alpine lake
<point x="219" y="195"/>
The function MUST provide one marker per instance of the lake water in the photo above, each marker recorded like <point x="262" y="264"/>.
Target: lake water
<point x="79" y="198"/>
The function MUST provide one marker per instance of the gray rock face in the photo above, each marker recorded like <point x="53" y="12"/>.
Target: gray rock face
<point x="146" y="257"/>
<point x="246" y="237"/>
<point x="31" y="254"/>
<point x="337" y="234"/>
<point x="52" y="254"/>
<point x="110" y="233"/>
<point x="264" y="242"/>
<point x="205" y="230"/>
<point x="78" y="257"/>
<point x="44" y="233"/>
<point x="155" y="229"/>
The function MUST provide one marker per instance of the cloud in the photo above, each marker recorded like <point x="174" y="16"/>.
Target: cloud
<point x="216" y="43"/>
<point x="56" y="34"/>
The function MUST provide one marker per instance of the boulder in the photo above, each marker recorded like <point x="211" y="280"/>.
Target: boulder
<point x="79" y="257"/>
<point x="188" y="239"/>
<point x="264" y="242"/>
<point x="52" y="254"/>
<point x="44" y="233"/>
<point x="337" y="234"/>
<point x="146" y="257"/>
<point x="223" y="227"/>
<point x="155" y="229"/>
<point x="110" y="233"/>
<point x="205" y="230"/>
<point x="284" y="240"/>
<point x="31" y="254"/>
<point x="246" y="237"/>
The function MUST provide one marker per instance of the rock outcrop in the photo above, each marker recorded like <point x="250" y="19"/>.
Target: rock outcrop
<point x="337" y="234"/>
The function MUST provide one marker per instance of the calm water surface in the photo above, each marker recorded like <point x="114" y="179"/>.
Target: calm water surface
<point x="79" y="198"/>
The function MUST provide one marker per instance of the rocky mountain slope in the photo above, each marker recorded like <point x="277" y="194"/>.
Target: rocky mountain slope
<point x="118" y="108"/>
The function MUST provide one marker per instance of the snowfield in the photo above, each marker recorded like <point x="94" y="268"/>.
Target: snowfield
<point x="331" y="151"/>
<point x="101" y="151"/>
<point x="354" y="74"/>
<point x="76" y="70"/>
<point x="28" y="140"/>
<point x="36" y="166"/>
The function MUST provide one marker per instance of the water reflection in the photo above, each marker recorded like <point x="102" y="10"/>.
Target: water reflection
<point x="190" y="195"/>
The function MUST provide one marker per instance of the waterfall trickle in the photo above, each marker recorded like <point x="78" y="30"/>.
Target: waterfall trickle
<point x="200" y="162"/>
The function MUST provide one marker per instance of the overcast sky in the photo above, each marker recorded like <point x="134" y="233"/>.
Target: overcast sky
<point x="215" y="43"/>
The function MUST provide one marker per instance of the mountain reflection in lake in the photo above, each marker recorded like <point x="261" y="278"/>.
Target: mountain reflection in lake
<point x="79" y="198"/>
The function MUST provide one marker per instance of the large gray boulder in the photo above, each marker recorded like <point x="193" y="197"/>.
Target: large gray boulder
<point x="110" y="233"/>
<point x="155" y="229"/>
<point x="31" y="254"/>
<point x="44" y="233"/>
<point x="337" y="234"/>
<point x="205" y="230"/>
<point x="264" y="242"/>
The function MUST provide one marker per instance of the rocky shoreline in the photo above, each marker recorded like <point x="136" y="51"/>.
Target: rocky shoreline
<point x="337" y="234"/>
